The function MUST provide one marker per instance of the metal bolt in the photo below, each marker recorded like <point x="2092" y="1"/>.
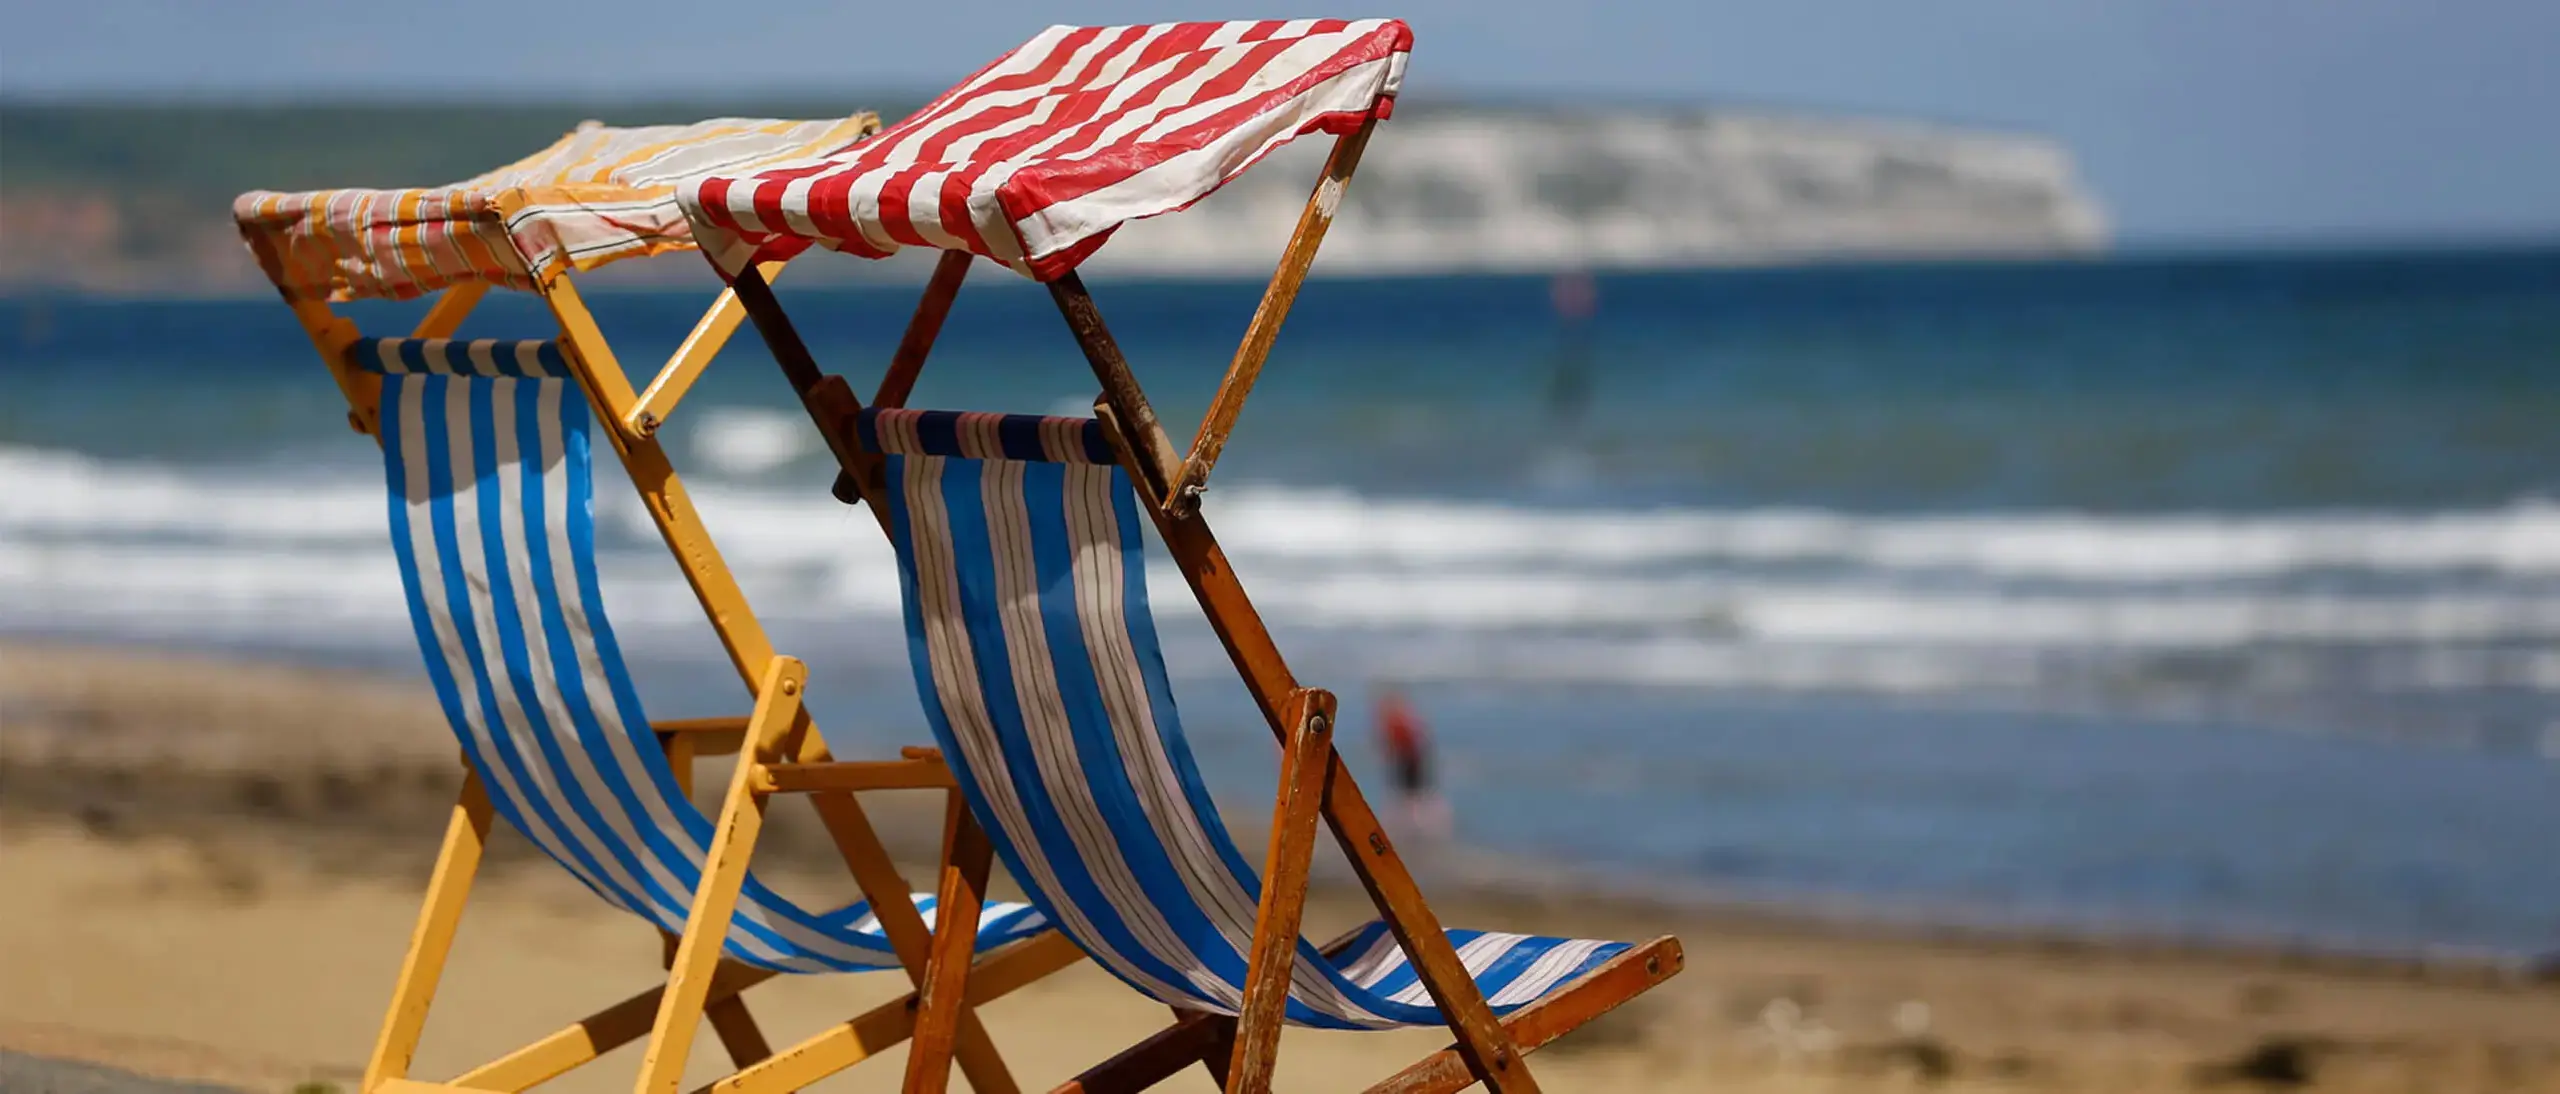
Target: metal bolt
<point x="1319" y="725"/>
<point x="1187" y="500"/>
<point x="1378" y="843"/>
<point x="1652" y="965"/>
<point x="791" y="687"/>
<point x="647" y="424"/>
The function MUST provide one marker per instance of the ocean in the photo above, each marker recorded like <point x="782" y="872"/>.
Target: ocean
<point x="2211" y="595"/>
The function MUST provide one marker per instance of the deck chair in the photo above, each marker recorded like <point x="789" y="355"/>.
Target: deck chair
<point x="487" y="448"/>
<point x="1017" y="539"/>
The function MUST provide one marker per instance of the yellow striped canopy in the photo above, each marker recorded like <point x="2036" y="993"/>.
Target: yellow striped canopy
<point x="599" y="194"/>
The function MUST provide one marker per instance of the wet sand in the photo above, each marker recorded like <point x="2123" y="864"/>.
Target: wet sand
<point x="213" y="868"/>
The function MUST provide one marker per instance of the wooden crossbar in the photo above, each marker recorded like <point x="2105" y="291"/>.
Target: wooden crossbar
<point x="1192" y="477"/>
<point x="873" y="1031"/>
<point x="658" y="402"/>
<point x="841" y="776"/>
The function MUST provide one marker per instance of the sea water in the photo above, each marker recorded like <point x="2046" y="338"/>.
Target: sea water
<point x="2211" y="594"/>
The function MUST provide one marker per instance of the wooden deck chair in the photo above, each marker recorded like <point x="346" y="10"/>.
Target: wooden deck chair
<point x="1018" y="542"/>
<point x="488" y="458"/>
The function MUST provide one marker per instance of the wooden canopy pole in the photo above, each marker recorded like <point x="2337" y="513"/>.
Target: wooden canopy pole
<point x="1264" y="330"/>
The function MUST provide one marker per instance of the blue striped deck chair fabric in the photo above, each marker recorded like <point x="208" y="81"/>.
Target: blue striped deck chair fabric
<point x="486" y="453"/>
<point x="1036" y="656"/>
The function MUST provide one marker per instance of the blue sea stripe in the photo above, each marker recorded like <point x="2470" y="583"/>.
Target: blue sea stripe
<point x="920" y="665"/>
<point x="499" y="604"/>
<point x="1043" y="502"/>
<point x="396" y="471"/>
<point x="1017" y="857"/>
<point x="561" y="644"/>
<point x="973" y="566"/>
<point x="579" y="520"/>
<point x="937" y="717"/>
<point x="596" y="828"/>
<point x="973" y="560"/>
<point x="443" y="490"/>
<point x="1219" y="954"/>
<point x="568" y="678"/>
<point x="1138" y="623"/>
<point x="1097" y="748"/>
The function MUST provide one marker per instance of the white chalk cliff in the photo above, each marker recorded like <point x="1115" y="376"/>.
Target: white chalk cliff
<point x="1456" y="189"/>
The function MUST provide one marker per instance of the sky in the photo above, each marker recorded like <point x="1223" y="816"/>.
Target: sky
<point x="2197" y="122"/>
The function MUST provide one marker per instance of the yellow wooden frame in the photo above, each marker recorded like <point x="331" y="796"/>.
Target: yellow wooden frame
<point x="780" y="751"/>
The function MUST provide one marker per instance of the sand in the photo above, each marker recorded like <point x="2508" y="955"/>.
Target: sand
<point x="212" y="868"/>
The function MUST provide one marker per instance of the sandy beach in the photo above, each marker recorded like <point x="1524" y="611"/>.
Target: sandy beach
<point x="213" y="867"/>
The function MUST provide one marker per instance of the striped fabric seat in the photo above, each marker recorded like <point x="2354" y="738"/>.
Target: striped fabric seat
<point x="1037" y="158"/>
<point x="1027" y="621"/>
<point x="486" y="453"/>
<point x="599" y="194"/>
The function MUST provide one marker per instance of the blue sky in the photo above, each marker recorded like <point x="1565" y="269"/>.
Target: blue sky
<point x="2198" y="121"/>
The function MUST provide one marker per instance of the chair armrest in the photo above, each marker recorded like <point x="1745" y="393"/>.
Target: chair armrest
<point x="705" y="736"/>
<point x="922" y="769"/>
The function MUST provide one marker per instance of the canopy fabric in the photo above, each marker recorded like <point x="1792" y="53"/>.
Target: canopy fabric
<point x="599" y="194"/>
<point x="1037" y="158"/>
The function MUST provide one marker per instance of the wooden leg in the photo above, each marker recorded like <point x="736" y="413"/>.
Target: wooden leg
<point x="1211" y="1039"/>
<point x="1284" y="893"/>
<point x="966" y="857"/>
<point x="466" y="837"/>
<point x="829" y="402"/>
<point x="737" y="1031"/>
<point x="1194" y="1037"/>
<point x="597" y="1034"/>
<point x="841" y="1046"/>
<point x="1221" y="1049"/>
<point x="730" y="1018"/>
<point x="859" y="844"/>
<point x="724" y="869"/>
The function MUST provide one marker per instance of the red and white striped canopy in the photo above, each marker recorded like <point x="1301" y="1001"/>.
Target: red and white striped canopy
<point x="1035" y="160"/>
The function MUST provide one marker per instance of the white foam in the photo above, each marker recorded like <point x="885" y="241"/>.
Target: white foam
<point x="2522" y="538"/>
<point x="742" y="441"/>
<point x="1702" y="597"/>
<point x="67" y="494"/>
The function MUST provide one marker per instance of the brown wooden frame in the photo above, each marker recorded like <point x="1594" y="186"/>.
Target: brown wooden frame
<point x="1239" y="1051"/>
<point x="781" y="752"/>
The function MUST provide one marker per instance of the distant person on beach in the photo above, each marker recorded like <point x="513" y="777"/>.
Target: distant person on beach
<point x="1407" y="744"/>
<point x="1576" y="297"/>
